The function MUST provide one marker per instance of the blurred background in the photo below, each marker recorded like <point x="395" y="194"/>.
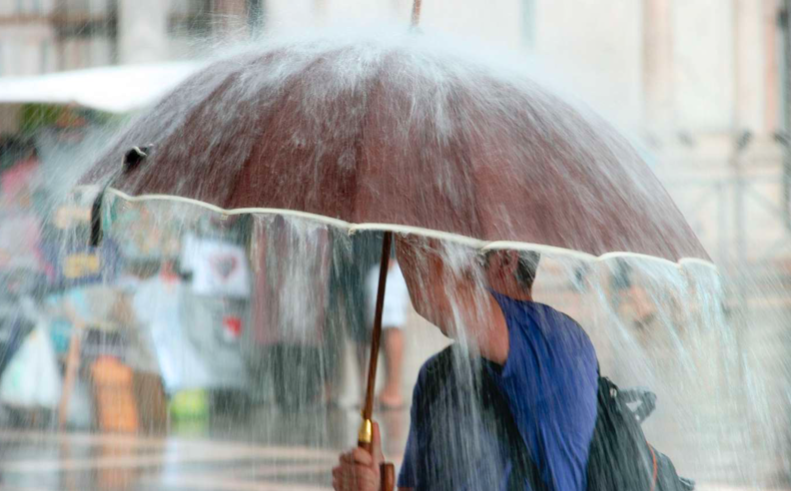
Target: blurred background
<point x="701" y="86"/>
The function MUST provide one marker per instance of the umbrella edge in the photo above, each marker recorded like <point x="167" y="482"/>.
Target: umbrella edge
<point x="353" y="228"/>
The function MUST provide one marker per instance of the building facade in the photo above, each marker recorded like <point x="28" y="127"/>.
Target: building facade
<point x="698" y="82"/>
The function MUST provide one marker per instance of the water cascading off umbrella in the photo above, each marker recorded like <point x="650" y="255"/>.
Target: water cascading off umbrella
<point x="398" y="134"/>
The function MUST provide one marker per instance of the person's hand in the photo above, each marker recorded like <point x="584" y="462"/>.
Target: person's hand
<point x="358" y="470"/>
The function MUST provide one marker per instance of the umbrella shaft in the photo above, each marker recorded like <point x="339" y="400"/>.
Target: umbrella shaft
<point x="377" y="329"/>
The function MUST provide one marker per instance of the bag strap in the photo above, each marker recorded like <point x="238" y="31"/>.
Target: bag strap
<point x="507" y="432"/>
<point x="525" y="468"/>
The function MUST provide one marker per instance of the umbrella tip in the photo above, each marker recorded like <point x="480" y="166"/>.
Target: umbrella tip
<point x="134" y="156"/>
<point x="416" y="5"/>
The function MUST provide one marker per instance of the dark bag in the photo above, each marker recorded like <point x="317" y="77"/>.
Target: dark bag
<point x="620" y="458"/>
<point x="495" y="414"/>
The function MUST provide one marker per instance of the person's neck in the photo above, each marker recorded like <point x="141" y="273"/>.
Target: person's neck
<point x="516" y="294"/>
<point x="492" y="336"/>
<point x="495" y="343"/>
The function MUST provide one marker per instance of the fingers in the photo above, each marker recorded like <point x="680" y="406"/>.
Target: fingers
<point x="354" y="478"/>
<point x="357" y="456"/>
<point x="357" y="469"/>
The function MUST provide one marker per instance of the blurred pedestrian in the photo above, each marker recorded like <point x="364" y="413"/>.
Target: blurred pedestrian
<point x="352" y="258"/>
<point x="291" y="264"/>
<point x="394" y="317"/>
<point x="20" y="227"/>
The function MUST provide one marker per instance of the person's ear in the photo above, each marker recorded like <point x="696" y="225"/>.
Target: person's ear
<point x="509" y="259"/>
<point x="502" y="263"/>
<point x="510" y="262"/>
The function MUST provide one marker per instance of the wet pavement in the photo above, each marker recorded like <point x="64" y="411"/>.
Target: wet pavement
<point x="264" y="451"/>
<point x="252" y="456"/>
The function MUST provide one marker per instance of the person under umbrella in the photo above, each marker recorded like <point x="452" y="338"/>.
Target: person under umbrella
<point x="538" y="358"/>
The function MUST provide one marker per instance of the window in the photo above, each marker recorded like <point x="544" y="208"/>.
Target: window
<point x="46" y="56"/>
<point x="193" y="18"/>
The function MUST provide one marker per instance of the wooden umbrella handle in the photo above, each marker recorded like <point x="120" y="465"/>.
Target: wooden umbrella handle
<point x="387" y="476"/>
<point x="365" y="435"/>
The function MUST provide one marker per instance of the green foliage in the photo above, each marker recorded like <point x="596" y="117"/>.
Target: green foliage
<point x="34" y="117"/>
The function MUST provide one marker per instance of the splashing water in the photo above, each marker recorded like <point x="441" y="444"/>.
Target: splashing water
<point x="212" y="375"/>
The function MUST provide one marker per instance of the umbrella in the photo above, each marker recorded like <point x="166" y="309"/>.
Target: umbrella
<point x="402" y="134"/>
<point x="397" y="135"/>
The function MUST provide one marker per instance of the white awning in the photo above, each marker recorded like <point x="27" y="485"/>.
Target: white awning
<point x="113" y="89"/>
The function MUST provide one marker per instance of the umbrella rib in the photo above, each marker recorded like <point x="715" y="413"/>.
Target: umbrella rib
<point x="264" y="123"/>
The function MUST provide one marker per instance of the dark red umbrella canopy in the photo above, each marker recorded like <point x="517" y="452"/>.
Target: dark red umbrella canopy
<point x="402" y="133"/>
